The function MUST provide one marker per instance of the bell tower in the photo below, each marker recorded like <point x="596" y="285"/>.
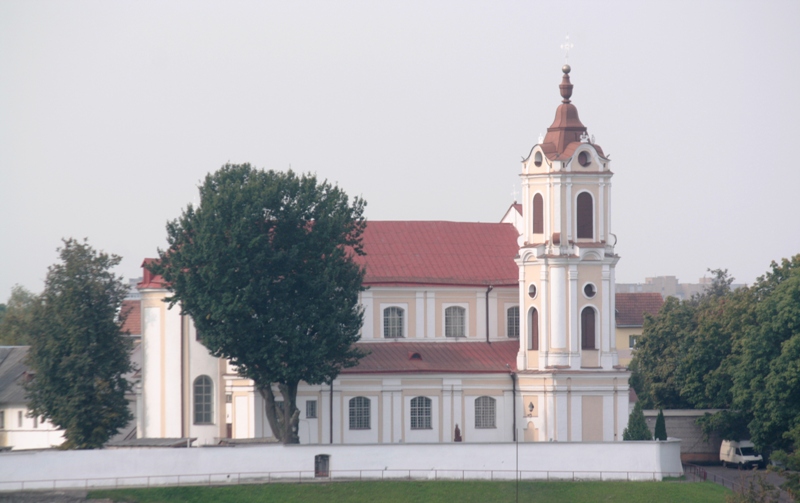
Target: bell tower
<point x="567" y="257"/>
<point x="566" y="272"/>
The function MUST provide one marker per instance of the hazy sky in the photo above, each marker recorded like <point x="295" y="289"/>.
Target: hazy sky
<point x="112" y="112"/>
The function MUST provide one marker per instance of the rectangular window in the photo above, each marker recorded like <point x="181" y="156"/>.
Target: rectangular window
<point x="421" y="413"/>
<point x="2" y="420"/>
<point x="393" y="322"/>
<point x="632" y="341"/>
<point x="311" y="409"/>
<point x="455" y="323"/>
<point x="485" y="412"/>
<point x="512" y="325"/>
<point x="35" y="421"/>
<point x="19" y="419"/>
<point x="359" y="413"/>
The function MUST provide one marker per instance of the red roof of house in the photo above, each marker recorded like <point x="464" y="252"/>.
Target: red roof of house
<point x="440" y="253"/>
<point x="436" y="357"/>
<point x="632" y="306"/>
<point x="133" y="323"/>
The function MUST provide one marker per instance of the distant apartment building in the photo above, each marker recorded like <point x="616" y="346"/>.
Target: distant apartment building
<point x="669" y="286"/>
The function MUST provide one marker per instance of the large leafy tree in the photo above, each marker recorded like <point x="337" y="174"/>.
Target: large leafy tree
<point x="678" y="359"/>
<point x="16" y="316"/>
<point x="265" y="267"/>
<point x="78" y="353"/>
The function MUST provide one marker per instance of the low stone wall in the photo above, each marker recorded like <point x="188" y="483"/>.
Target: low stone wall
<point x="682" y="423"/>
<point x="223" y="465"/>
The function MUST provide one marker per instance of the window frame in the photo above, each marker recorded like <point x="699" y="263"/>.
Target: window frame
<point x="403" y="309"/>
<point x="485" y="412"/>
<point x="584" y="336"/>
<point x="537" y="214"/>
<point x="203" y="409"/>
<point x="311" y="409"/>
<point x="582" y="226"/>
<point x="509" y="324"/>
<point x="454" y="307"/>
<point x="420" y="413"/>
<point x="359" y="413"/>
<point x="533" y="329"/>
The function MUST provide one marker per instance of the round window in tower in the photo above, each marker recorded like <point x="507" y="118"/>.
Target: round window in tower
<point x="537" y="159"/>
<point x="589" y="290"/>
<point x="584" y="159"/>
<point x="532" y="291"/>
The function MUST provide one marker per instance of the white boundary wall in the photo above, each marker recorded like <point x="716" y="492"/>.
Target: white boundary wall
<point x="151" y="467"/>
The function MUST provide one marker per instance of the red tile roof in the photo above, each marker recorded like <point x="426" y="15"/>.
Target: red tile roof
<point x="133" y="323"/>
<point x="440" y="253"/>
<point x="428" y="253"/>
<point x="632" y="306"/>
<point x="436" y="357"/>
<point x="150" y="280"/>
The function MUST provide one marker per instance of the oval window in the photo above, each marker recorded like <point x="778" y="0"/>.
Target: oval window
<point x="589" y="290"/>
<point x="537" y="159"/>
<point x="532" y="291"/>
<point x="584" y="159"/>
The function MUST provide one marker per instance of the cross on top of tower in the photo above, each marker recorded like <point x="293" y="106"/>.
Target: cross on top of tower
<point x="566" y="46"/>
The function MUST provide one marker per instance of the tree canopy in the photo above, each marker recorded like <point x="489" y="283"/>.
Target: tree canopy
<point x="737" y="350"/>
<point x="78" y="353"/>
<point x="265" y="267"/>
<point x="16" y="316"/>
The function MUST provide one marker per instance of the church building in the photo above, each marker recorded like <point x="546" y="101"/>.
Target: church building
<point x="476" y="332"/>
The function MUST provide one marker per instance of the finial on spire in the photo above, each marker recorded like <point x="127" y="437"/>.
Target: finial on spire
<point x="566" y="46"/>
<point x="566" y="85"/>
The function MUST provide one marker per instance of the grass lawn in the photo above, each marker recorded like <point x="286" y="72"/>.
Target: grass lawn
<point x="439" y="491"/>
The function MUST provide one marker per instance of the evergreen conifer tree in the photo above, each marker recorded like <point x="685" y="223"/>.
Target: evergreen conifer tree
<point x="661" y="426"/>
<point x="637" y="427"/>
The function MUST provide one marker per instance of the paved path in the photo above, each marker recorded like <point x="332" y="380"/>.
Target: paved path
<point x="732" y="477"/>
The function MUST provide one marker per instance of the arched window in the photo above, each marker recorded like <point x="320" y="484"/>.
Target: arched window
<point x="359" y="413"/>
<point x="512" y="322"/>
<point x="538" y="214"/>
<point x="587" y="328"/>
<point x="455" y="322"/>
<point x="421" y="413"/>
<point x="485" y="412"/>
<point x="393" y="322"/>
<point x="203" y="400"/>
<point x="585" y="215"/>
<point x="533" y="329"/>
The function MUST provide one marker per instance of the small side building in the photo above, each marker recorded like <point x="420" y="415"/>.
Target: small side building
<point x="19" y="430"/>
<point x="631" y="308"/>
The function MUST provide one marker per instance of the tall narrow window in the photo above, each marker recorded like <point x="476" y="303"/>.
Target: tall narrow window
<point x="485" y="412"/>
<point x="393" y="322"/>
<point x="359" y="413"/>
<point x="512" y="322"/>
<point x="311" y="409"/>
<point x="585" y="216"/>
<point x="533" y="329"/>
<point x="538" y="214"/>
<point x="587" y="328"/>
<point x="421" y="413"/>
<point x="19" y="419"/>
<point x="2" y="420"/>
<point x="455" y="322"/>
<point x="202" y="400"/>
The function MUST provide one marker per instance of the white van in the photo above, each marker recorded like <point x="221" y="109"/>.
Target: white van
<point x="740" y="454"/>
